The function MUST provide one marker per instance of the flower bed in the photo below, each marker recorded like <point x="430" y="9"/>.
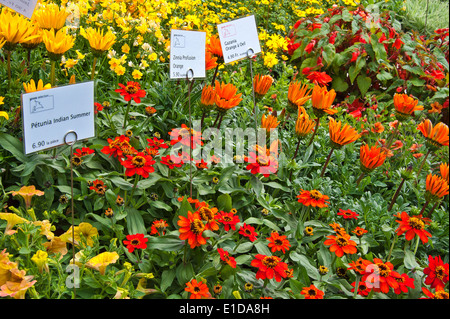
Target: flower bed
<point x="323" y="176"/>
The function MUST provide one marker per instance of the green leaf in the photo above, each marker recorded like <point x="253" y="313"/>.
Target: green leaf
<point x="302" y="260"/>
<point x="184" y="273"/>
<point x="378" y="49"/>
<point x="167" y="278"/>
<point x="384" y="76"/>
<point x="364" y="83"/>
<point x="169" y="242"/>
<point x="410" y="260"/>
<point x="148" y="182"/>
<point x="135" y="222"/>
<point x="328" y="53"/>
<point x="339" y="84"/>
<point x="224" y="203"/>
<point x="13" y="145"/>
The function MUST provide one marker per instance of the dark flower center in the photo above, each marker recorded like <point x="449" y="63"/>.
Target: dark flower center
<point x="197" y="226"/>
<point x="270" y="261"/>
<point x="138" y="161"/>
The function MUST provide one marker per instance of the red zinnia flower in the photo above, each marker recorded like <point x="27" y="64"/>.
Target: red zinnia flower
<point x="197" y="289"/>
<point x="83" y="151"/>
<point x="363" y="290"/>
<point x="312" y="292"/>
<point x="228" y="220"/>
<point x="413" y="226"/>
<point x="269" y="267"/>
<point x="380" y="276"/>
<point x="98" y="107"/>
<point x="404" y="282"/>
<point x="313" y="198"/>
<point x="157" y="143"/>
<point x="183" y="135"/>
<point x="136" y="241"/>
<point x="248" y="231"/>
<point x="278" y="242"/>
<point x="159" y="227"/>
<point x="119" y="147"/>
<point x="131" y="91"/>
<point x="201" y="164"/>
<point x="191" y="228"/>
<point x="341" y="244"/>
<point x="140" y="164"/>
<point x="348" y="214"/>
<point x="261" y="163"/>
<point x="439" y="294"/>
<point x="208" y="215"/>
<point x="437" y="273"/>
<point x="225" y="256"/>
<point x="98" y="186"/>
<point x="171" y="161"/>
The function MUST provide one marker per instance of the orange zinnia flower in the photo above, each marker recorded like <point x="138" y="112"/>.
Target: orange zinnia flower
<point x="412" y="226"/>
<point x="341" y="135"/>
<point x="312" y="292"/>
<point x="226" y="96"/>
<point x="371" y="158"/>
<point x="303" y="125"/>
<point x="262" y="84"/>
<point x="321" y="100"/>
<point x="197" y="289"/>
<point x="405" y="106"/>
<point x="191" y="228"/>
<point x="313" y="198"/>
<point x="208" y="215"/>
<point x="380" y="276"/>
<point x="269" y="267"/>
<point x="215" y="48"/>
<point x="278" y="242"/>
<point x="341" y="244"/>
<point x="298" y="94"/>
<point x="436" y="188"/>
<point x="435" y="136"/>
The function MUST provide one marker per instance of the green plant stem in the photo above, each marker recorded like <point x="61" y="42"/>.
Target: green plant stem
<point x="8" y="63"/>
<point x="397" y="192"/>
<point x="326" y="163"/>
<point x="421" y="165"/>
<point x="52" y="73"/>
<point x="417" y="245"/>
<point x="360" y="178"/>
<point x="356" y="287"/>
<point x="316" y="128"/>
<point x="126" y="114"/>
<point x="392" y="247"/>
<point x="93" y="68"/>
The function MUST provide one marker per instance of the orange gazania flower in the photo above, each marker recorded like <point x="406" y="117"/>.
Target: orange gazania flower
<point x="443" y="169"/>
<point x="298" y="94"/>
<point x="198" y="290"/>
<point x="262" y="84"/>
<point x="226" y="96"/>
<point x="436" y="136"/>
<point x="278" y="242"/>
<point x="207" y="99"/>
<point x="436" y="188"/>
<point x="405" y="106"/>
<point x="215" y="48"/>
<point x="371" y="158"/>
<point x="27" y="193"/>
<point x="377" y="128"/>
<point x="412" y="226"/>
<point x="210" y="61"/>
<point x="437" y="273"/>
<point x="269" y="267"/>
<point x="312" y="292"/>
<point x="304" y="125"/>
<point x="313" y="198"/>
<point x="269" y="122"/>
<point x="341" y="244"/>
<point x="321" y="100"/>
<point x="341" y="135"/>
<point x="191" y="228"/>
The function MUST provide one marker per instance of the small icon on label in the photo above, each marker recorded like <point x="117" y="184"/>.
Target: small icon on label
<point x="179" y="41"/>
<point x="228" y="30"/>
<point x="41" y="103"/>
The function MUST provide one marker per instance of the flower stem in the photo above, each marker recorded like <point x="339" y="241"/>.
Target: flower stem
<point x="126" y="114"/>
<point x="397" y="192"/>
<point x="360" y="178"/>
<point x="421" y="165"/>
<point x="93" y="68"/>
<point x="356" y="287"/>
<point x="417" y="244"/>
<point x="52" y="73"/>
<point x="215" y="74"/>
<point x="315" y="131"/>
<point x="423" y="208"/>
<point x="220" y="121"/>
<point x="326" y="162"/>
<point x="392" y="247"/>
<point x="8" y="59"/>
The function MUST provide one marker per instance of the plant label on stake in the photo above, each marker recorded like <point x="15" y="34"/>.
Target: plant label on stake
<point x="187" y="52"/>
<point x="24" y="7"/>
<point x="49" y="114"/>
<point x="237" y="37"/>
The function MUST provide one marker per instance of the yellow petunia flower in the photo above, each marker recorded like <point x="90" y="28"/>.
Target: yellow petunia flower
<point x="101" y="261"/>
